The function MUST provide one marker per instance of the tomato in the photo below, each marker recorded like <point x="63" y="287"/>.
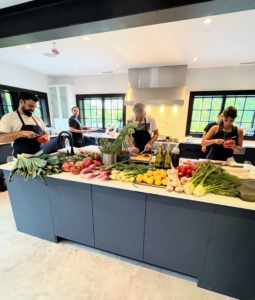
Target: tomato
<point x="180" y="174"/>
<point x="42" y="139"/>
<point x="189" y="172"/>
<point x="75" y="170"/>
<point x="67" y="166"/>
<point x="182" y="170"/>
<point x="87" y="162"/>
<point x="229" y="143"/>
<point x="79" y="164"/>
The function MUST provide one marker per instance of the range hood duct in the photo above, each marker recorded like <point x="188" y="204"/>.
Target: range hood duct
<point x="157" y="85"/>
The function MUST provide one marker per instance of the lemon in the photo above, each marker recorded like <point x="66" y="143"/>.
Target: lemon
<point x="139" y="178"/>
<point x="155" y="173"/>
<point x="152" y="177"/>
<point x="149" y="173"/>
<point x="145" y="178"/>
<point x="164" y="181"/>
<point x="149" y="180"/>
<point x="163" y="174"/>
<point x="157" y="177"/>
<point x="157" y="182"/>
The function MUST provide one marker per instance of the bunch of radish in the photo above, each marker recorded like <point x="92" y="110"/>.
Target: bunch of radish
<point x="90" y="173"/>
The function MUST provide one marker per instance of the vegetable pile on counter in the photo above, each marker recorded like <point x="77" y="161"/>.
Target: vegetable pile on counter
<point x="40" y="164"/>
<point x="208" y="178"/>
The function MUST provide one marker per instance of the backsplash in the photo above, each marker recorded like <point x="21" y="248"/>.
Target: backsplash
<point x="169" y="119"/>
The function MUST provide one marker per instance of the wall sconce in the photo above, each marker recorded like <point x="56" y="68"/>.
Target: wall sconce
<point x="148" y="108"/>
<point x="175" y="110"/>
<point x="162" y="109"/>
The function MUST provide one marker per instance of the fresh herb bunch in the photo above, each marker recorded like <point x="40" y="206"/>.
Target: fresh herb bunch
<point x="120" y="142"/>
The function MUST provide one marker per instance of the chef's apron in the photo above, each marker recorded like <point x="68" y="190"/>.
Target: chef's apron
<point x="25" y="145"/>
<point x="218" y="152"/>
<point x="141" y="137"/>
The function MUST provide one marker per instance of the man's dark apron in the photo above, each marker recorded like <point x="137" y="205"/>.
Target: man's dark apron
<point x="141" y="137"/>
<point x="25" y="145"/>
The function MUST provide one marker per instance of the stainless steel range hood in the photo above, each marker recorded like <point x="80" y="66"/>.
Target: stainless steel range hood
<point x="157" y="85"/>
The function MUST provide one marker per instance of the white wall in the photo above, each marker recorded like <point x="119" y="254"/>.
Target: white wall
<point x="97" y="84"/>
<point x="16" y="76"/>
<point x="169" y="122"/>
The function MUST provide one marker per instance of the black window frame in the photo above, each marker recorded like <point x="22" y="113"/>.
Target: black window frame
<point x="80" y="97"/>
<point x="14" y="92"/>
<point x="222" y="94"/>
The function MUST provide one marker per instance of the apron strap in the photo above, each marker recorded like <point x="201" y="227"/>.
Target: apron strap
<point x="22" y="119"/>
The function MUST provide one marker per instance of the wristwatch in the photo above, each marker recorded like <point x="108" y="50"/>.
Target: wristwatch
<point x="150" y="143"/>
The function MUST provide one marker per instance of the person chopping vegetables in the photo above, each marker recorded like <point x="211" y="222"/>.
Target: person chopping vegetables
<point x="23" y="127"/>
<point x="143" y="138"/>
<point x="224" y="138"/>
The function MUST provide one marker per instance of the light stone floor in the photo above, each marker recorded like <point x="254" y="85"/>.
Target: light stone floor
<point x="35" y="269"/>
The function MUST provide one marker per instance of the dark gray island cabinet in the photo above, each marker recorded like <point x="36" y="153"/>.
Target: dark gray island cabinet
<point x="211" y="241"/>
<point x="177" y="233"/>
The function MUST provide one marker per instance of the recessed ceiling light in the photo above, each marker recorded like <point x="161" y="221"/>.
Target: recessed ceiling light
<point x="28" y="46"/>
<point x="118" y="65"/>
<point x="86" y="38"/>
<point x="195" y="59"/>
<point x="76" y="69"/>
<point x="207" y="20"/>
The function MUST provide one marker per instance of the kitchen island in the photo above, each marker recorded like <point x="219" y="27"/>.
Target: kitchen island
<point x="210" y="238"/>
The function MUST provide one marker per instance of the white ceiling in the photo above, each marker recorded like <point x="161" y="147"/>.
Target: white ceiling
<point x="227" y="41"/>
<point x="7" y="3"/>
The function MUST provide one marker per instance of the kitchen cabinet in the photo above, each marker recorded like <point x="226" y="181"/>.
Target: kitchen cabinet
<point x="230" y="265"/>
<point x="177" y="233"/>
<point x="31" y="206"/>
<point x="193" y="151"/>
<point x="119" y="217"/>
<point x="71" y="206"/>
<point x="62" y="99"/>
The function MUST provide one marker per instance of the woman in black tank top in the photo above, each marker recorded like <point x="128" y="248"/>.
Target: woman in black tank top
<point x="218" y="134"/>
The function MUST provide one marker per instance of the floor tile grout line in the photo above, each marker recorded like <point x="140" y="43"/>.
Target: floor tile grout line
<point x="117" y="261"/>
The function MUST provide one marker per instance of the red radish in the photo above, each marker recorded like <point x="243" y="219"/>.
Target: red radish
<point x="97" y="162"/>
<point x="86" y="171"/>
<point x="104" y="178"/>
<point x="92" y="167"/>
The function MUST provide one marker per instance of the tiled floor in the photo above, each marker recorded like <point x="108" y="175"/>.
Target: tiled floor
<point x="34" y="269"/>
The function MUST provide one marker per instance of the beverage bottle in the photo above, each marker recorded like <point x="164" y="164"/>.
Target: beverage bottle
<point x="67" y="145"/>
<point x="168" y="159"/>
<point x="159" y="157"/>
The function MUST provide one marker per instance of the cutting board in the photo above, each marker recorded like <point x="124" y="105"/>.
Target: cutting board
<point x="92" y="148"/>
<point x="140" y="158"/>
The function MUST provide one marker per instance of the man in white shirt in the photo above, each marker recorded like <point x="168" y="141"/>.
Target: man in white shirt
<point x="22" y="127"/>
<point x="146" y="133"/>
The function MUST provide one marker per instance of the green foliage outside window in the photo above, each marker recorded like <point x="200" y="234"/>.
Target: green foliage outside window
<point x="205" y="110"/>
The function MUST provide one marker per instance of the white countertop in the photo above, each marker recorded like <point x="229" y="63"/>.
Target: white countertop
<point x="208" y="198"/>
<point x="101" y="135"/>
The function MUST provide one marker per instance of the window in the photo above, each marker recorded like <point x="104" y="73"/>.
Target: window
<point x="101" y="111"/>
<point x="6" y="103"/>
<point x="205" y="106"/>
<point x="9" y="101"/>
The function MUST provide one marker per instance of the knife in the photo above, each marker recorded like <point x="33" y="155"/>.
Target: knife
<point x="233" y="137"/>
